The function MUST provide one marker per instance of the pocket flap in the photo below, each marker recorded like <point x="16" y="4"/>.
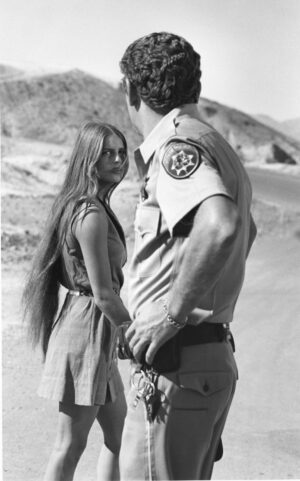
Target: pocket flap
<point x="206" y="383"/>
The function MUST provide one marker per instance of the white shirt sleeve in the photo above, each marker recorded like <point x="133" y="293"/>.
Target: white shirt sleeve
<point x="178" y="195"/>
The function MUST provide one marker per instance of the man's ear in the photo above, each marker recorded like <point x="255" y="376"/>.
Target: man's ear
<point x="133" y="96"/>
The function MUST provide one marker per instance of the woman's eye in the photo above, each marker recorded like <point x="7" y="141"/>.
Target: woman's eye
<point x="106" y="153"/>
<point x="123" y="155"/>
<point x="110" y="154"/>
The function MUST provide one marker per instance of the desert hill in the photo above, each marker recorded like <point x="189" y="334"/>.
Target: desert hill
<point x="40" y="116"/>
<point x="292" y="127"/>
<point x="289" y="127"/>
<point x="255" y="142"/>
<point x="50" y="108"/>
<point x="7" y="72"/>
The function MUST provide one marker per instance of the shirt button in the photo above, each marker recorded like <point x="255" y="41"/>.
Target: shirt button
<point x="206" y="387"/>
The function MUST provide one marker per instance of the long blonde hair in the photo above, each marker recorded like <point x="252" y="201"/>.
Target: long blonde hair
<point x="80" y="187"/>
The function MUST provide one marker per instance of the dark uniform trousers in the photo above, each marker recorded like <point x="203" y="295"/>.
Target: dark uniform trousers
<point x="182" y="440"/>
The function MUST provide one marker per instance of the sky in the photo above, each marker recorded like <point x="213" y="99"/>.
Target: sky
<point x="249" y="49"/>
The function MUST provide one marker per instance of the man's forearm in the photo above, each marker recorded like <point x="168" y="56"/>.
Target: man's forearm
<point x="211" y="241"/>
<point x="206" y="253"/>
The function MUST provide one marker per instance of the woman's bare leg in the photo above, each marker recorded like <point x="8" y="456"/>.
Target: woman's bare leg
<point x="111" y="418"/>
<point x="74" y="424"/>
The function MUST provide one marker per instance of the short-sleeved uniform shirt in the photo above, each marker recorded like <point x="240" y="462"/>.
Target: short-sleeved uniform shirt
<point x="183" y="162"/>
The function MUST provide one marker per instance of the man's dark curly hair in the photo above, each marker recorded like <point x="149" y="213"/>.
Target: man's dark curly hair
<point x="165" y="70"/>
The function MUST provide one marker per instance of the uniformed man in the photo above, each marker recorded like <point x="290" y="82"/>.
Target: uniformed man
<point x="193" y="232"/>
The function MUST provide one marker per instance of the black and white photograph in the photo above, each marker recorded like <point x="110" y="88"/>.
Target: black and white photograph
<point x="150" y="240"/>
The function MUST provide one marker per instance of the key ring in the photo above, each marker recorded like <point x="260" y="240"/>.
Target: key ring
<point x="143" y="385"/>
<point x="136" y="384"/>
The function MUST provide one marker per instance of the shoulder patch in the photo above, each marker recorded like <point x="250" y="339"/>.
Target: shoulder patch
<point x="180" y="160"/>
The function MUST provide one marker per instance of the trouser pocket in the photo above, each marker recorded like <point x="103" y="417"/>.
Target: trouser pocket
<point x="199" y="404"/>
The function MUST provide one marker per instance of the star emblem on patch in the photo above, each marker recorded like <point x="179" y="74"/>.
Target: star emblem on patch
<point x="180" y="160"/>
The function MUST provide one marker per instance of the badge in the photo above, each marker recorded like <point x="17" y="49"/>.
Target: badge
<point x="180" y="160"/>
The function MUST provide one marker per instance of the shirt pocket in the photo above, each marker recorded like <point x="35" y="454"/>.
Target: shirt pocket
<point x="147" y="244"/>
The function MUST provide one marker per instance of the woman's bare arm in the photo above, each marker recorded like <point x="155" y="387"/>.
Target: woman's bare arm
<point x="91" y="231"/>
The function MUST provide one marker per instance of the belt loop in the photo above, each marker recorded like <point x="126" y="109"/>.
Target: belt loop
<point x="227" y="330"/>
<point x="229" y="336"/>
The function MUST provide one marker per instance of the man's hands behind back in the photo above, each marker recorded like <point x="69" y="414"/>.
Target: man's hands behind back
<point x="149" y="331"/>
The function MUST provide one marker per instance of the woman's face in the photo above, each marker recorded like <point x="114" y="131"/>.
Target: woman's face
<point x="113" y="160"/>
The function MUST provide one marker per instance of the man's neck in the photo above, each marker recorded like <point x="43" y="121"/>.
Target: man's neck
<point x="148" y="119"/>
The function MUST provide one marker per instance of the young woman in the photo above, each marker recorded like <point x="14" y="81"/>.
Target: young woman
<point x="84" y="250"/>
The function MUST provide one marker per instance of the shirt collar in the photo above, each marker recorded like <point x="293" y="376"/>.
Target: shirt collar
<point x="165" y="127"/>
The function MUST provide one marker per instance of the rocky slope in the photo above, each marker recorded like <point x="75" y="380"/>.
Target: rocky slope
<point x="289" y="127"/>
<point x="51" y="107"/>
<point x="7" y="72"/>
<point x="292" y="127"/>
<point x="255" y="142"/>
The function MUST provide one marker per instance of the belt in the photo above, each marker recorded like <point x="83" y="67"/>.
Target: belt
<point x="87" y="293"/>
<point x="167" y="358"/>
<point x="80" y="293"/>
<point x="204" y="333"/>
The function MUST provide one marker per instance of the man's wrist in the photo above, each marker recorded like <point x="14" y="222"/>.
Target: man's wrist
<point x="172" y="321"/>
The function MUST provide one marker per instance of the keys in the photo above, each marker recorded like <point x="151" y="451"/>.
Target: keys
<point x="136" y="400"/>
<point x="153" y="403"/>
<point x="145" y="390"/>
<point x="145" y="383"/>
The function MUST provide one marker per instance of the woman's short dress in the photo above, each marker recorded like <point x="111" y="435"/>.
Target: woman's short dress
<point x="81" y="363"/>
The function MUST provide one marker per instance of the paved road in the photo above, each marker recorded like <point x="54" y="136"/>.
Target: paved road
<point x="280" y="189"/>
<point x="262" y="437"/>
